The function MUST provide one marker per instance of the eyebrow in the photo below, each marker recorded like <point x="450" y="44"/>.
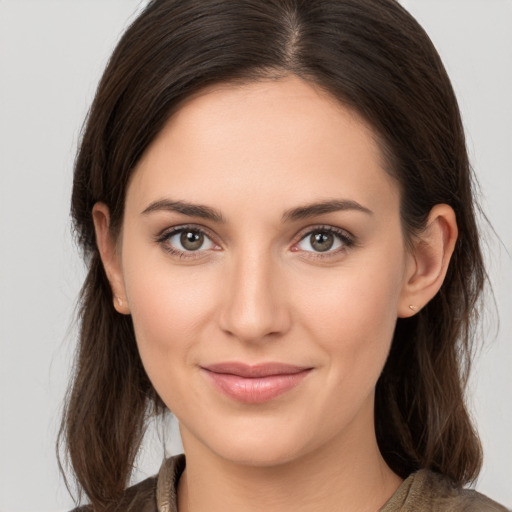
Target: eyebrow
<point x="294" y="214"/>
<point x="190" y="209"/>
<point x="323" y="207"/>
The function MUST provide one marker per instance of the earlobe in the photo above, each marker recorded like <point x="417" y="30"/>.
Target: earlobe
<point x="428" y="260"/>
<point x="109" y="256"/>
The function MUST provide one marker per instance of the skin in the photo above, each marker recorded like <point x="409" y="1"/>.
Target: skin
<point x="257" y="291"/>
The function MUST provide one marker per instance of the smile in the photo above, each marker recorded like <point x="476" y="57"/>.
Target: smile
<point x="254" y="384"/>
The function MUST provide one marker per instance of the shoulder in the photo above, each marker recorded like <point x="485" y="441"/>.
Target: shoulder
<point x="156" y="493"/>
<point x="429" y="491"/>
<point x="137" y="498"/>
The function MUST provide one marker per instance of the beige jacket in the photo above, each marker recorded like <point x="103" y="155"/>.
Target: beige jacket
<point x="424" y="491"/>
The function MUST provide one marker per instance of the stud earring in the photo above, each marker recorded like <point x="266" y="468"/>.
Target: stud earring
<point x="413" y="307"/>
<point x="119" y="301"/>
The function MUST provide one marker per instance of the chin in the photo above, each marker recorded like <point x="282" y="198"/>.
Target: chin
<point x="255" y="443"/>
<point x="265" y="454"/>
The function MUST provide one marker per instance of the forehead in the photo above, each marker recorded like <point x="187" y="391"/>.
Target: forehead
<point x="263" y="138"/>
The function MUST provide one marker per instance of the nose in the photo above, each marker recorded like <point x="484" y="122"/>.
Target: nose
<point x="254" y="308"/>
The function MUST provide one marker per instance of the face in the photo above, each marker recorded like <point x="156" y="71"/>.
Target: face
<point x="263" y="262"/>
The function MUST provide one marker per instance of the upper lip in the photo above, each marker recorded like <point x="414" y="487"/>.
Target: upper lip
<point x="256" y="370"/>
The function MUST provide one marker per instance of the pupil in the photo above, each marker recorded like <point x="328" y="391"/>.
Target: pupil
<point x="322" y="242"/>
<point x="191" y="240"/>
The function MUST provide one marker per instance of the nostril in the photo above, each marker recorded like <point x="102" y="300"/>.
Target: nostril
<point x="254" y="321"/>
<point x="252" y="306"/>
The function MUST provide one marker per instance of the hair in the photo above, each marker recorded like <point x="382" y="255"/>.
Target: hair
<point x="373" y="57"/>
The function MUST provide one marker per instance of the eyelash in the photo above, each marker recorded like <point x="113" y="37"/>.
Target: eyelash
<point x="163" y="239"/>
<point x="346" y="239"/>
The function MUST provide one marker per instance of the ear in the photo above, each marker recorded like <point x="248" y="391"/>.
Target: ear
<point x="110" y="256"/>
<point x="428" y="260"/>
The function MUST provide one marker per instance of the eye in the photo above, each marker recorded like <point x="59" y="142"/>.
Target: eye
<point x="324" y="240"/>
<point x="181" y="241"/>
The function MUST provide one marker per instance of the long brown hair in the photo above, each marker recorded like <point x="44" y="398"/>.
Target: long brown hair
<point x="372" y="56"/>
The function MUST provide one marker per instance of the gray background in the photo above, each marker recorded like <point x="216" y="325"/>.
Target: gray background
<point x="51" y="55"/>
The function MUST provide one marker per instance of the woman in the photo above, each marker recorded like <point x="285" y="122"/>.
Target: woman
<point x="275" y="203"/>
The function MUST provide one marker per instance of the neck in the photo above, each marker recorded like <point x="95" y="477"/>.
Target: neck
<point x="350" y="471"/>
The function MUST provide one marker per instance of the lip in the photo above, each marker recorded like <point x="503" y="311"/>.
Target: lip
<point x="254" y="384"/>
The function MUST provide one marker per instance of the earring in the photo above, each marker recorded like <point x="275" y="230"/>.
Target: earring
<point x="413" y="307"/>
<point x="119" y="301"/>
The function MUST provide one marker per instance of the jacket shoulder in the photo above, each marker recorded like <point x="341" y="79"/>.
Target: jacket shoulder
<point x="472" y="501"/>
<point x="140" y="497"/>
<point x="428" y="491"/>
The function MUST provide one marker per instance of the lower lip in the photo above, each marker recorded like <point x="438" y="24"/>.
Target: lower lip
<point x="255" y="390"/>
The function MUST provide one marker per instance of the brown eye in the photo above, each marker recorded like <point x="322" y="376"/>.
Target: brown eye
<point x="325" y="240"/>
<point x="187" y="242"/>
<point x="321" y="241"/>
<point x="191" y="240"/>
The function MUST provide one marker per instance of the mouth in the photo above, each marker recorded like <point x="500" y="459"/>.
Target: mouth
<point x="253" y="384"/>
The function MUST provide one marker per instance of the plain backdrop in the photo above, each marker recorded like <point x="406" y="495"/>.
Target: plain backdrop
<point x="52" y="53"/>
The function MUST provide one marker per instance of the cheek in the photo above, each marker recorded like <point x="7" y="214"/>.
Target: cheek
<point x="170" y="305"/>
<point x="352" y="315"/>
<point x="169" y="314"/>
